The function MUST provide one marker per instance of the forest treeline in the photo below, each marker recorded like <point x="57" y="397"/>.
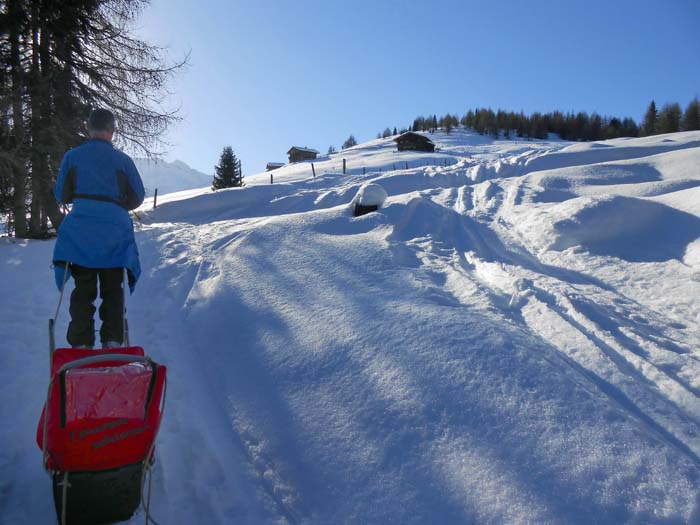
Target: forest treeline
<point x="58" y="61"/>
<point x="570" y="126"/>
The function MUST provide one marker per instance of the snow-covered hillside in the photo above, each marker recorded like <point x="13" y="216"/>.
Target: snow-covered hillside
<point x="511" y="339"/>
<point x="169" y="177"/>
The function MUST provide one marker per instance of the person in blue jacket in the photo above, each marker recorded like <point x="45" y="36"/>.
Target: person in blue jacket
<point x="96" y="239"/>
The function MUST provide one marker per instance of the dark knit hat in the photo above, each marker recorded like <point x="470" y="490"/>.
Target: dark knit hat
<point x="101" y="120"/>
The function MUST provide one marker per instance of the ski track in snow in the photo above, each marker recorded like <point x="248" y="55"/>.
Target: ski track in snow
<point x="511" y="339"/>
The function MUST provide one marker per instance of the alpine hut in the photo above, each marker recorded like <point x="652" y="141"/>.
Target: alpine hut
<point x="273" y="166"/>
<point x="297" y="154"/>
<point x="414" y="141"/>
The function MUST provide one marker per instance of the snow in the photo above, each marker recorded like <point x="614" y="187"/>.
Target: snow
<point x="511" y="339"/>
<point x="370" y="195"/>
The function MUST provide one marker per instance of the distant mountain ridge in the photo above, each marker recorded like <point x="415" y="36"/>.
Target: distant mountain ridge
<point x="170" y="177"/>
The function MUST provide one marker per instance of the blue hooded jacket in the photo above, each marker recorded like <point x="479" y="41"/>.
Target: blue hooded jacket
<point x="103" y="184"/>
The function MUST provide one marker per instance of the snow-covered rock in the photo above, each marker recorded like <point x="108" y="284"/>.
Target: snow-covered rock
<point x="369" y="197"/>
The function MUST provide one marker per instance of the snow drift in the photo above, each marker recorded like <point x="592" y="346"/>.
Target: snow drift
<point x="629" y="228"/>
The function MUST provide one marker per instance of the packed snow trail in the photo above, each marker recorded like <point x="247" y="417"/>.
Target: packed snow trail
<point x="480" y="350"/>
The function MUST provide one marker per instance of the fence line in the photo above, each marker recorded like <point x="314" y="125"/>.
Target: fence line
<point x="346" y="170"/>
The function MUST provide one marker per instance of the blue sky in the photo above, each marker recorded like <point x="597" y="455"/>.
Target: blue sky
<point x="264" y="75"/>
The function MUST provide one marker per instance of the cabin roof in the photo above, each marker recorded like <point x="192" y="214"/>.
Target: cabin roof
<point x="305" y="150"/>
<point x="410" y="135"/>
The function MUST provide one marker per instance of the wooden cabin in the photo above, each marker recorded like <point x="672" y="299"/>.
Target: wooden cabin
<point x="297" y="154"/>
<point x="414" y="141"/>
<point x="273" y="166"/>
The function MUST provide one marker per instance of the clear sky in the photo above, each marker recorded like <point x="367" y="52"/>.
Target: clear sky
<point x="267" y="75"/>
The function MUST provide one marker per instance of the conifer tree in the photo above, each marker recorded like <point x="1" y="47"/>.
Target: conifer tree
<point x="331" y="149"/>
<point x="670" y="118"/>
<point x="418" y="124"/>
<point x="629" y="128"/>
<point x="650" y="123"/>
<point x="238" y="182"/>
<point x="691" y="117"/>
<point x="350" y="142"/>
<point x="228" y="171"/>
<point x="59" y="60"/>
<point x="446" y="124"/>
<point x="595" y="127"/>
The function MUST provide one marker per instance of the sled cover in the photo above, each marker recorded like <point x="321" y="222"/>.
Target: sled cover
<point x="104" y="408"/>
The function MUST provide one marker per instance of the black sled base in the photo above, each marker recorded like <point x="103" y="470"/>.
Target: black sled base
<point x="99" y="498"/>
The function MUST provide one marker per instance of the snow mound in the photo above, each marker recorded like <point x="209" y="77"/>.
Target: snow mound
<point x="645" y="177"/>
<point x="421" y="219"/>
<point x="620" y="149"/>
<point x="370" y="195"/>
<point x="636" y="230"/>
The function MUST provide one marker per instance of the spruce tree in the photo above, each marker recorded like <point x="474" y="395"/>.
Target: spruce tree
<point x="691" y="117"/>
<point x="629" y="128"/>
<point x="418" y="124"/>
<point x="670" y="118"/>
<point x="650" y="123"/>
<point x="446" y="124"/>
<point x="238" y="181"/>
<point x="350" y="142"/>
<point x="228" y="171"/>
<point x="59" y="60"/>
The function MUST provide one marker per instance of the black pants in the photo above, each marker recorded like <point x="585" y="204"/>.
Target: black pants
<point x="81" y="330"/>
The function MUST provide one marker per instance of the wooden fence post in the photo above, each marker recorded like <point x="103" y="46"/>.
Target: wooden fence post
<point x="406" y="164"/>
<point x="364" y="170"/>
<point x="155" y="198"/>
<point x="343" y="166"/>
<point x="313" y="170"/>
<point x="271" y="179"/>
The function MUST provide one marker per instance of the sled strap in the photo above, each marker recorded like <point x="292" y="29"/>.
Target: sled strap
<point x="44" y="449"/>
<point x="64" y="498"/>
<point x="146" y="501"/>
<point x="147" y="504"/>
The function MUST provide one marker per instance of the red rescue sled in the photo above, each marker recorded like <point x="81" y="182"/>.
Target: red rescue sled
<point x="98" y="429"/>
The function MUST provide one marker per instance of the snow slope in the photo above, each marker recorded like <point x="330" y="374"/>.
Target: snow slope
<point x="510" y="339"/>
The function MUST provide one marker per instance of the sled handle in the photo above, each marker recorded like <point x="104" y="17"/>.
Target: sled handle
<point x="93" y="360"/>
